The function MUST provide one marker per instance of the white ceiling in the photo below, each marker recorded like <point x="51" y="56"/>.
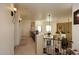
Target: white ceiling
<point x="41" y="10"/>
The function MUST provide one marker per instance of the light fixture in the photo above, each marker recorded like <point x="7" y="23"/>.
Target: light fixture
<point x="15" y="9"/>
<point x="20" y="19"/>
<point x="49" y="18"/>
<point x="13" y="12"/>
<point x="48" y="27"/>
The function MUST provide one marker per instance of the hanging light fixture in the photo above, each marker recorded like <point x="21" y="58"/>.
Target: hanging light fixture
<point x="49" y="25"/>
<point x="49" y="18"/>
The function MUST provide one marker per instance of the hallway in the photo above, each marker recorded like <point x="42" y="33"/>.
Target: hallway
<point x="26" y="47"/>
<point x="44" y="21"/>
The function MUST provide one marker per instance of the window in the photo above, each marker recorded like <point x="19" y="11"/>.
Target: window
<point x="39" y="28"/>
<point x="48" y="28"/>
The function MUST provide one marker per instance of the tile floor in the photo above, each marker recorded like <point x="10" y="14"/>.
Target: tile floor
<point x="26" y="47"/>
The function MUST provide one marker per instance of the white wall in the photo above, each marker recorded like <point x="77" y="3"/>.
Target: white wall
<point x="75" y="30"/>
<point x="17" y="30"/>
<point x="6" y="30"/>
<point x="25" y="27"/>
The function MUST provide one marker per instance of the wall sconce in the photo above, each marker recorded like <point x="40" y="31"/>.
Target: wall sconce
<point x="13" y="12"/>
<point x="20" y="19"/>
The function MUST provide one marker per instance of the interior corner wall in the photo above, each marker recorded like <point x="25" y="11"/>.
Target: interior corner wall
<point x="6" y="30"/>
<point x="75" y="30"/>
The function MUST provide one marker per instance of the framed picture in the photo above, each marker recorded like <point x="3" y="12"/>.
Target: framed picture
<point x="76" y="17"/>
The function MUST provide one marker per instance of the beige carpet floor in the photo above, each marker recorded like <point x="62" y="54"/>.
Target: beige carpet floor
<point x="26" y="47"/>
